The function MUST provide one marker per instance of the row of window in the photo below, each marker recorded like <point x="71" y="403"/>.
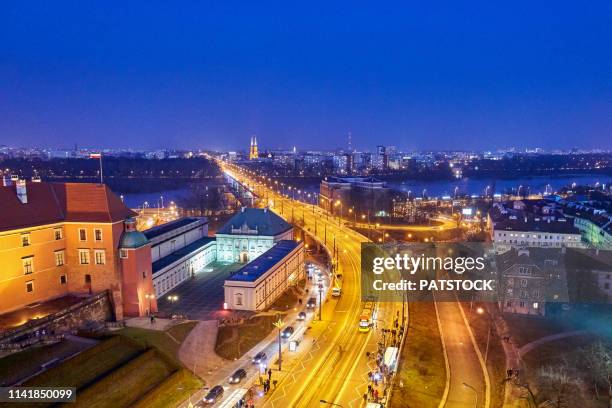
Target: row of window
<point x="539" y="236"/>
<point x="60" y="259"/>
<point x="58" y="234"/>
<point x="63" y="279"/>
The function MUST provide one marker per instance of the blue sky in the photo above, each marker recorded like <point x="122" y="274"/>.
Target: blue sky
<point x="211" y="74"/>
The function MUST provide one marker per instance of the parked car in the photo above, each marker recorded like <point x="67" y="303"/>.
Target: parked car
<point x="214" y="394"/>
<point x="238" y="376"/>
<point x="259" y="357"/>
<point x="301" y="316"/>
<point x="287" y="332"/>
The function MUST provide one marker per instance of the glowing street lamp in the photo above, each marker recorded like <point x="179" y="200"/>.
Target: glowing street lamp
<point x="279" y="325"/>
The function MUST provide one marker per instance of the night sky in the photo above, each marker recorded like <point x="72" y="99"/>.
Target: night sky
<point x="431" y="75"/>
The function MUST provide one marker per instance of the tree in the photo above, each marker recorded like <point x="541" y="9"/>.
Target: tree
<point x="559" y="385"/>
<point x="598" y="360"/>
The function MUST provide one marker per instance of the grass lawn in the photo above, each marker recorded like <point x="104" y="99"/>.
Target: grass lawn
<point x="422" y="370"/>
<point x="234" y="341"/>
<point x="527" y="329"/>
<point x="138" y="367"/>
<point x="176" y="389"/>
<point x="88" y="366"/>
<point x="153" y="338"/>
<point x="17" y="366"/>
<point x="181" y="331"/>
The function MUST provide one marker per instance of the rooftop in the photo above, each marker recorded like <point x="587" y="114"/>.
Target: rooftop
<point x="49" y="203"/>
<point x="169" y="226"/>
<point x="260" y="265"/>
<point x="176" y="255"/>
<point x="255" y="221"/>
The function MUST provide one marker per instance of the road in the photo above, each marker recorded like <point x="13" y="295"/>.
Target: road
<point x="337" y="372"/>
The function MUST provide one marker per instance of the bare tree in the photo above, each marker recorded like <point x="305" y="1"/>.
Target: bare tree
<point x="598" y="360"/>
<point x="559" y="384"/>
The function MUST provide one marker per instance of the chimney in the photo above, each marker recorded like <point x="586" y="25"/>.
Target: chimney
<point x="22" y="193"/>
<point x="6" y="181"/>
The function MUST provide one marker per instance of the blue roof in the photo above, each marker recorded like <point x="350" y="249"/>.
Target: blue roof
<point x="260" y="265"/>
<point x="263" y="220"/>
<point x="176" y="255"/>
<point x="169" y="226"/>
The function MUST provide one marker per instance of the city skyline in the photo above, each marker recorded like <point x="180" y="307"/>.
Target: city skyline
<point x="211" y="76"/>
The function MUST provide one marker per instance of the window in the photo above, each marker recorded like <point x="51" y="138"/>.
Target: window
<point x="84" y="256"/>
<point x="25" y="240"/>
<point x="28" y="265"/>
<point x="238" y="299"/>
<point x="509" y="303"/>
<point x="98" y="234"/>
<point x="63" y="279"/>
<point x="58" y="234"/>
<point x="88" y="279"/>
<point x="59" y="258"/>
<point x="144" y="274"/>
<point x="524" y="283"/>
<point x="82" y="234"/>
<point x="30" y="286"/>
<point x="123" y="254"/>
<point x="100" y="256"/>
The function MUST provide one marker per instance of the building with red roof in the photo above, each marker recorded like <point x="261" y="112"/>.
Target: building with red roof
<point x="59" y="239"/>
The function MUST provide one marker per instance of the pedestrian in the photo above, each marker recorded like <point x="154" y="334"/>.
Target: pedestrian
<point x="365" y="397"/>
<point x="269" y="373"/>
<point x="152" y="319"/>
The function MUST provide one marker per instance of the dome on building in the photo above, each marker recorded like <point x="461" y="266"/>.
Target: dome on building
<point x="132" y="239"/>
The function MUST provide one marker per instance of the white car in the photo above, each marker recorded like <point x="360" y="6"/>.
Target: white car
<point x="336" y="291"/>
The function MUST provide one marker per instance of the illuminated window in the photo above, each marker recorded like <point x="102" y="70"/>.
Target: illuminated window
<point x="84" y="256"/>
<point x="100" y="256"/>
<point x="28" y="265"/>
<point x="59" y="258"/>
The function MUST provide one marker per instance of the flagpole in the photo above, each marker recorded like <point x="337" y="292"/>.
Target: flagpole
<point x="101" y="176"/>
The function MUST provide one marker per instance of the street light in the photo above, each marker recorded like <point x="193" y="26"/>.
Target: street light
<point x="279" y="325"/>
<point x="466" y="385"/>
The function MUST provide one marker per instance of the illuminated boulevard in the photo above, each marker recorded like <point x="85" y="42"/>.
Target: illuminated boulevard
<point x="335" y="370"/>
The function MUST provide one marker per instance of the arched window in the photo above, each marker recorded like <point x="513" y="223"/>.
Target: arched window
<point x="238" y="299"/>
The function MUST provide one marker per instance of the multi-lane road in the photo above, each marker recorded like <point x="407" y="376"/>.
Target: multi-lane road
<point x="338" y="371"/>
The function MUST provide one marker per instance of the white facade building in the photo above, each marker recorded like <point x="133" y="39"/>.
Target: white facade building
<point x="259" y="283"/>
<point x="250" y="233"/>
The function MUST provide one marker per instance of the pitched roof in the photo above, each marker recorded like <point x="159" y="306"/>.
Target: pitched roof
<point x="255" y="221"/>
<point x="56" y="202"/>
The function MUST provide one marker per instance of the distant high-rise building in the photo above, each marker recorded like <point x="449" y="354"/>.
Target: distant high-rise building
<point x="253" y="152"/>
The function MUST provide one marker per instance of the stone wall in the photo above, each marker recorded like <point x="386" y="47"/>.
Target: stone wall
<point x="94" y="309"/>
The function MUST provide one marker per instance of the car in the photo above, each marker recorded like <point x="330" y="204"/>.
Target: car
<point x="259" y="357"/>
<point x="214" y="394"/>
<point x="238" y="376"/>
<point x="287" y="332"/>
<point x="336" y="291"/>
<point x="312" y="302"/>
<point x="301" y="316"/>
